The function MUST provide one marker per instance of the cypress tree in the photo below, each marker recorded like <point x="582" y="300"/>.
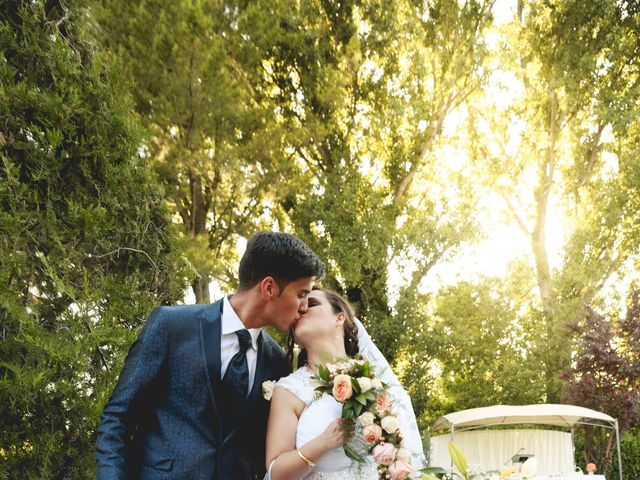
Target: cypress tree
<point x="87" y="246"/>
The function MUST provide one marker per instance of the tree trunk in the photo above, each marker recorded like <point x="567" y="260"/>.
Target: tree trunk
<point x="556" y="357"/>
<point x="546" y="170"/>
<point x="200" y="287"/>
<point x="198" y="226"/>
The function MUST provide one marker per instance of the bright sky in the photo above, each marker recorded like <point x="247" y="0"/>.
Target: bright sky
<point x="504" y="11"/>
<point x="504" y="241"/>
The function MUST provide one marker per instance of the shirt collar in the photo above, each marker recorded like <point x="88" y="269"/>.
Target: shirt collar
<point x="231" y="323"/>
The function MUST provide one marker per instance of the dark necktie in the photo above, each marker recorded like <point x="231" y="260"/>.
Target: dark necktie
<point x="235" y="382"/>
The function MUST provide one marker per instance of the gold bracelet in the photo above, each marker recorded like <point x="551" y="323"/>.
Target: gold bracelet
<point x="306" y="460"/>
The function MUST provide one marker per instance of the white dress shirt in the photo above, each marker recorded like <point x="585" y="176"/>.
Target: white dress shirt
<point x="230" y="345"/>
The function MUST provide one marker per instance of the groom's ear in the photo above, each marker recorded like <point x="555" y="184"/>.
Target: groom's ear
<point x="269" y="288"/>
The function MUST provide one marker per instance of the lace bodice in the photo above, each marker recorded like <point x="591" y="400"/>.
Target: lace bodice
<point x="300" y="384"/>
<point x="319" y="413"/>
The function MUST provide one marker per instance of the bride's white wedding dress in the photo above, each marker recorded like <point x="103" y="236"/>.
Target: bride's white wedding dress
<point x="315" y="418"/>
<point x="319" y="413"/>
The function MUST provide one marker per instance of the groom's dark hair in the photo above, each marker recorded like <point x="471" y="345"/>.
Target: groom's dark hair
<point x="279" y="255"/>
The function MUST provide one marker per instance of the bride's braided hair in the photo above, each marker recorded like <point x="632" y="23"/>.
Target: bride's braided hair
<point x="338" y="304"/>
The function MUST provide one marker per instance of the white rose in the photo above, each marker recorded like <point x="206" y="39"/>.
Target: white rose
<point x="376" y="384"/>
<point x="404" y="455"/>
<point x="366" y="419"/>
<point x="389" y="424"/>
<point x="365" y="384"/>
<point x="267" y="389"/>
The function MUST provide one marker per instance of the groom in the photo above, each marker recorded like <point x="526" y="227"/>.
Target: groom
<point x="188" y="403"/>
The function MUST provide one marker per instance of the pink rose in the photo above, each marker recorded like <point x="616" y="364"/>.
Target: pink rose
<point x="342" y="389"/>
<point x="382" y="403"/>
<point x="371" y="433"/>
<point x="400" y="470"/>
<point x="384" y="453"/>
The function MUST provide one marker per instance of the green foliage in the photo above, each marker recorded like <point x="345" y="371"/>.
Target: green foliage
<point x="87" y="242"/>
<point x="473" y="350"/>
<point x="629" y="449"/>
<point x="563" y="142"/>
<point x="376" y="131"/>
<point x="630" y="452"/>
<point x="197" y="79"/>
<point x="364" y="90"/>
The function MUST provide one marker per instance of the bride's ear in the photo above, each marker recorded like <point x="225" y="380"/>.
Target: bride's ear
<point x="340" y="318"/>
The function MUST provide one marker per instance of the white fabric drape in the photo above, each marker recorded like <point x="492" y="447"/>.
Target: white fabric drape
<point x="402" y="401"/>
<point x="493" y="449"/>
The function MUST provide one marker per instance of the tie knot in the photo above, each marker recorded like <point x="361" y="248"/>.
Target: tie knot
<point x="244" y="337"/>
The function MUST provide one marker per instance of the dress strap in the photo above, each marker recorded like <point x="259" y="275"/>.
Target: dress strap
<point x="299" y="383"/>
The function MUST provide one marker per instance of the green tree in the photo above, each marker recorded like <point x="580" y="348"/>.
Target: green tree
<point x="473" y="349"/>
<point x="197" y="80"/>
<point x="364" y="89"/>
<point x="629" y="448"/>
<point x="87" y="241"/>
<point x="566" y="141"/>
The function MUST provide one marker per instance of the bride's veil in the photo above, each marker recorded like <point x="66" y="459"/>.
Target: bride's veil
<point x="402" y="401"/>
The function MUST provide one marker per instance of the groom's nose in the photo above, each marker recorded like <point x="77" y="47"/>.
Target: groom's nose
<point x="304" y="306"/>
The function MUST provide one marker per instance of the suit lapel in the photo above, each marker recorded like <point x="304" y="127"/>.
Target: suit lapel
<point x="210" y="332"/>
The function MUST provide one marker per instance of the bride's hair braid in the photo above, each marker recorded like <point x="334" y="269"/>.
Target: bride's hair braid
<point x="338" y="304"/>
<point x="290" y="348"/>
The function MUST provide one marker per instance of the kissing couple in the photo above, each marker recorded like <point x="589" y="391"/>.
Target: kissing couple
<point x="189" y="403"/>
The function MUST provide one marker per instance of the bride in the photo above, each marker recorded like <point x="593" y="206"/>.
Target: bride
<point x="305" y="434"/>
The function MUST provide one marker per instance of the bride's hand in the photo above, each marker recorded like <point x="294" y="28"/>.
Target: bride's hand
<point x="338" y="433"/>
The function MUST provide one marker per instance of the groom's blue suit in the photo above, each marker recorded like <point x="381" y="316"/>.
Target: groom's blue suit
<point x="163" y="419"/>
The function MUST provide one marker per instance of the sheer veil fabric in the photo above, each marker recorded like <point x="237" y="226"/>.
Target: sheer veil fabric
<point x="401" y="399"/>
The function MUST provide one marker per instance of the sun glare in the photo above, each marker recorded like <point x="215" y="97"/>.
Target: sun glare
<point x="503" y="244"/>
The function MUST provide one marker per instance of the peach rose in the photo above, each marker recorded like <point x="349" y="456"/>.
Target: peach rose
<point x="342" y="389"/>
<point x="384" y="453"/>
<point x="400" y="470"/>
<point x="591" y="467"/>
<point x="383" y="402"/>
<point x="371" y="433"/>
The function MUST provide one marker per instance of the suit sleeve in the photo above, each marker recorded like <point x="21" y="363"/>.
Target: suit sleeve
<point x="139" y="374"/>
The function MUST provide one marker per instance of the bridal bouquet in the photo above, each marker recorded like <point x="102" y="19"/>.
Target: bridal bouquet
<point x="366" y="401"/>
